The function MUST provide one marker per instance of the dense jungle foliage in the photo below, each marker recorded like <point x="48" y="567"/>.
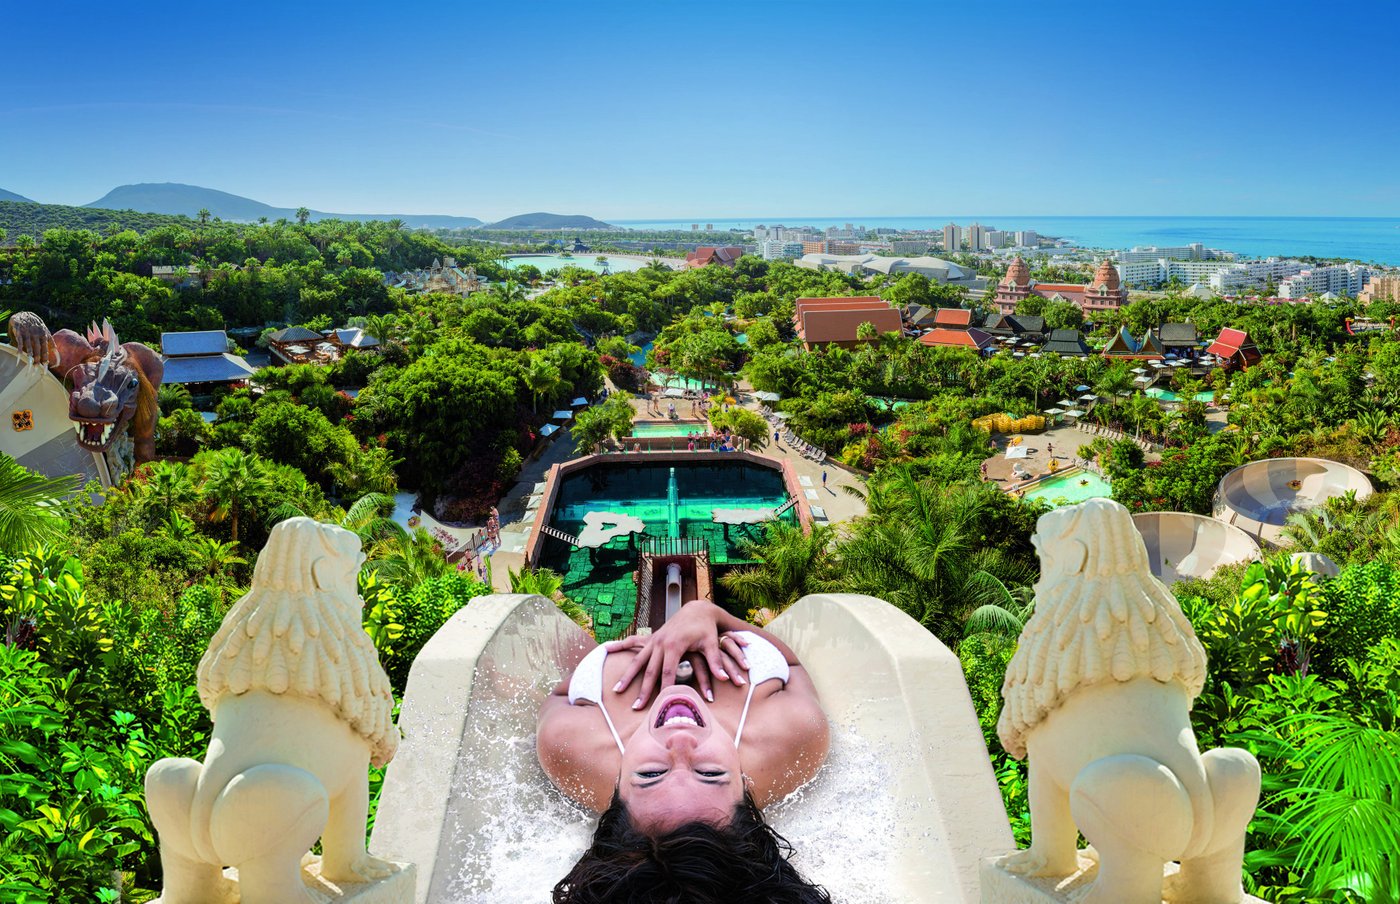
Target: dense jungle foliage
<point x="106" y="609"/>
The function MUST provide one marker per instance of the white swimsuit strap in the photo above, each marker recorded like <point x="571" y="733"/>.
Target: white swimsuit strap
<point x="766" y="662"/>
<point x="587" y="684"/>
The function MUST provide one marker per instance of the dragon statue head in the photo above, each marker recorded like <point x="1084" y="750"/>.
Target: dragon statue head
<point x="103" y="399"/>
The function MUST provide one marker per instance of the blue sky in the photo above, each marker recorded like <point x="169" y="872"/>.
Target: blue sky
<point x="756" y="108"/>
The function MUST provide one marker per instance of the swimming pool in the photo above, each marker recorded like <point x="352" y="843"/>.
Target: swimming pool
<point x="671" y="428"/>
<point x="1068" y="489"/>
<point x="1167" y="395"/>
<point x="672" y="501"/>
<point x="584" y="261"/>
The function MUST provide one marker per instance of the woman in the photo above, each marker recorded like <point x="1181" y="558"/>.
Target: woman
<point x="680" y="780"/>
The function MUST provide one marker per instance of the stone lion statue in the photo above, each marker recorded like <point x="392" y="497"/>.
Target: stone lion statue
<point x="300" y="706"/>
<point x="1098" y="695"/>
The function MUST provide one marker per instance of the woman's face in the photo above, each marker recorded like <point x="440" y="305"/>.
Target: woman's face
<point x="680" y="766"/>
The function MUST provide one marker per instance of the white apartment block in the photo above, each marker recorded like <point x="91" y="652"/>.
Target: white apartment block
<point x="1193" y="252"/>
<point x="952" y="237"/>
<point x="976" y="238"/>
<point x="1027" y="238"/>
<point x="996" y="238"/>
<point x="1345" y="279"/>
<point x="1224" y="276"/>
<point x="776" y="250"/>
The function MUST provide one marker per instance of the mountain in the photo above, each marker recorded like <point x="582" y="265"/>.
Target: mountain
<point x="174" y="198"/>
<point x="11" y="196"/>
<point x="549" y="221"/>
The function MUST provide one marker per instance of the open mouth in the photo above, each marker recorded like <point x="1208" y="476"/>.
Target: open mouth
<point x="679" y="711"/>
<point x="95" y="434"/>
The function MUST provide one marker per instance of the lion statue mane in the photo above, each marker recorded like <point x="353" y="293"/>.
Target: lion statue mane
<point x="1100" y="616"/>
<point x="298" y="631"/>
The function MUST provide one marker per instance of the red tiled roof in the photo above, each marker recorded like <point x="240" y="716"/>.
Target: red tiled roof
<point x="970" y="338"/>
<point x="867" y="300"/>
<point x="837" y="325"/>
<point x="1062" y="288"/>
<point x="952" y="317"/>
<point x="1232" y="343"/>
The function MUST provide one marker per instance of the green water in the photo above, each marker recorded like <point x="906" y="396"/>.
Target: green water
<point x="1070" y="488"/>
<point x="675" y="381"/>
<point x="672" y="501"/>
<point x="660" y="428"/>
<point x="1167" y="395"/>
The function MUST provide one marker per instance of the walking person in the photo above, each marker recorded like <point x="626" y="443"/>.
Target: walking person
<point x="823" y="480"/>
<point x="775" y="440"/>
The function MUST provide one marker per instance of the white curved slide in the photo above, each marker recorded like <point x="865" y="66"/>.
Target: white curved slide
<point x="904" y="811"/>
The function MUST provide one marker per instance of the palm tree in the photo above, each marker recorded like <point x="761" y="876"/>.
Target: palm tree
<point x="550" y="585"/>
<point x="542" y="378"/>
<point x="214" y="556"/>
<point x="232" y="480"/>
<point x="381" y="327"/>
<point x="165" y="490"/>
<point x="204" y="216"/>
<point x="792" y="564"/>
<point x="303" y="215"/>
<point x="31" y="506"/>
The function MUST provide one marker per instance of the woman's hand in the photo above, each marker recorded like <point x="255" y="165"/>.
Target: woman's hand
<point x="695" y="629"/>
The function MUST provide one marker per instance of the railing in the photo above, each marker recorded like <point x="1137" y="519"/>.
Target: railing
<point x="643" y="614"/>
<point x="785" y="508"/>
<point x="556" y="533"/>
<point x="675" y="546"/>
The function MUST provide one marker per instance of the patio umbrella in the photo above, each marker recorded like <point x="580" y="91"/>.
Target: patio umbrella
<point x="767" y="396"/>
<point x="1065" y="403"/>
<point x="781" y="415"/>
<point x="1016" y="451"/>
<point x="1088" y="397"/>
<point x="1082" y="388"/>
<point x="1054" y="411"/>
<point x="1143" y="380"/>
<point x="563" y="414"/>
<point x="579" y="401"/>
<point x="1139" y="370"/>
<point x="1018" y="354"/>
<point x="1074" y="412"/>
<point x="547" y="429"/>
<point x="539" y="487"/>
<point x="674" y="393"/>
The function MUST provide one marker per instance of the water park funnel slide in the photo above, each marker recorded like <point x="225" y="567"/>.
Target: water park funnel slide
<point x="673" y="591"/>
<point x="1181" y="545"/>
<point x="1258" y="497"/>
<point x="466" y="801"/>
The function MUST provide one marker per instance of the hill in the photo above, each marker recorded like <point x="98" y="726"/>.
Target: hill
<point x="188" y="200"/>
<point x="549" y="221"/>
<point x="19" y="218"/>
<point x="11" y="196"/>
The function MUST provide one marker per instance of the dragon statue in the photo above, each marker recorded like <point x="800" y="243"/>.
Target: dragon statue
<point x="112" y="386"/>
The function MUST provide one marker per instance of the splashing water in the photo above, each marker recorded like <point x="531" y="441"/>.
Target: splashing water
<point x="840" y="825"/>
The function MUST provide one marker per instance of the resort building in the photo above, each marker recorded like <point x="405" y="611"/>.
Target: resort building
<point x="706" y="255"/>
<point x="1069" y="343"/>
<point x="1381" y="288"/>
<point x="443" y="276"/>
<point x="837" y="321"/>
<point x="970" y="338"/>
<point x="1021" y="326"/>
<point x="1343" y="279"/>
<point x="1235" y="349"/>
<point x="1124" y="347"/>
<point x="1180" y="339"/>
<point x="201" y="358"/>
<point x="911" y="246"/>
<point x="1104" y="292"/>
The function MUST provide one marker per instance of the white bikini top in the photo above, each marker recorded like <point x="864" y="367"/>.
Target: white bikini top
<point x="766" y="661"/>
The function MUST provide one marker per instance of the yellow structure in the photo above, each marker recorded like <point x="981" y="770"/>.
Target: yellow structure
<point x="1005" y="423"/>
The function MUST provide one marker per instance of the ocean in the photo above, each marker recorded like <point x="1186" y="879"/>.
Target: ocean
<point x="1371" y="239"/>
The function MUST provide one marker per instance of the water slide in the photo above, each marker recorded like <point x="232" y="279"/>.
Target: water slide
<point x="1181" y="545"/>
<point x="1258" y="497"/>
<point x="903" y="811"/>
<point x="673" y="590"/>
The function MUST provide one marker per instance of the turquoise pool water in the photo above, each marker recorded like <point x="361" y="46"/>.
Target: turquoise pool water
<point x="1069" y="489"/>
<point x="547" y="262"/>
<point x="673" y="501"/>
<point x="655" y="428"/>
<point x="1167" y="395"/>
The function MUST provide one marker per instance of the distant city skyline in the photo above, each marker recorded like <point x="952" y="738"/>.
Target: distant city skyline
<point x="632" y="111"/>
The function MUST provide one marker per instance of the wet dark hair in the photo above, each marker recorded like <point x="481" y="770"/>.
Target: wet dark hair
<point x="744" y="862"/>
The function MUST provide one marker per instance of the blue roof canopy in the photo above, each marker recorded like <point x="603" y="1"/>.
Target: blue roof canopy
<point x="204" y="342"/>
<point x="224" y="368"/>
